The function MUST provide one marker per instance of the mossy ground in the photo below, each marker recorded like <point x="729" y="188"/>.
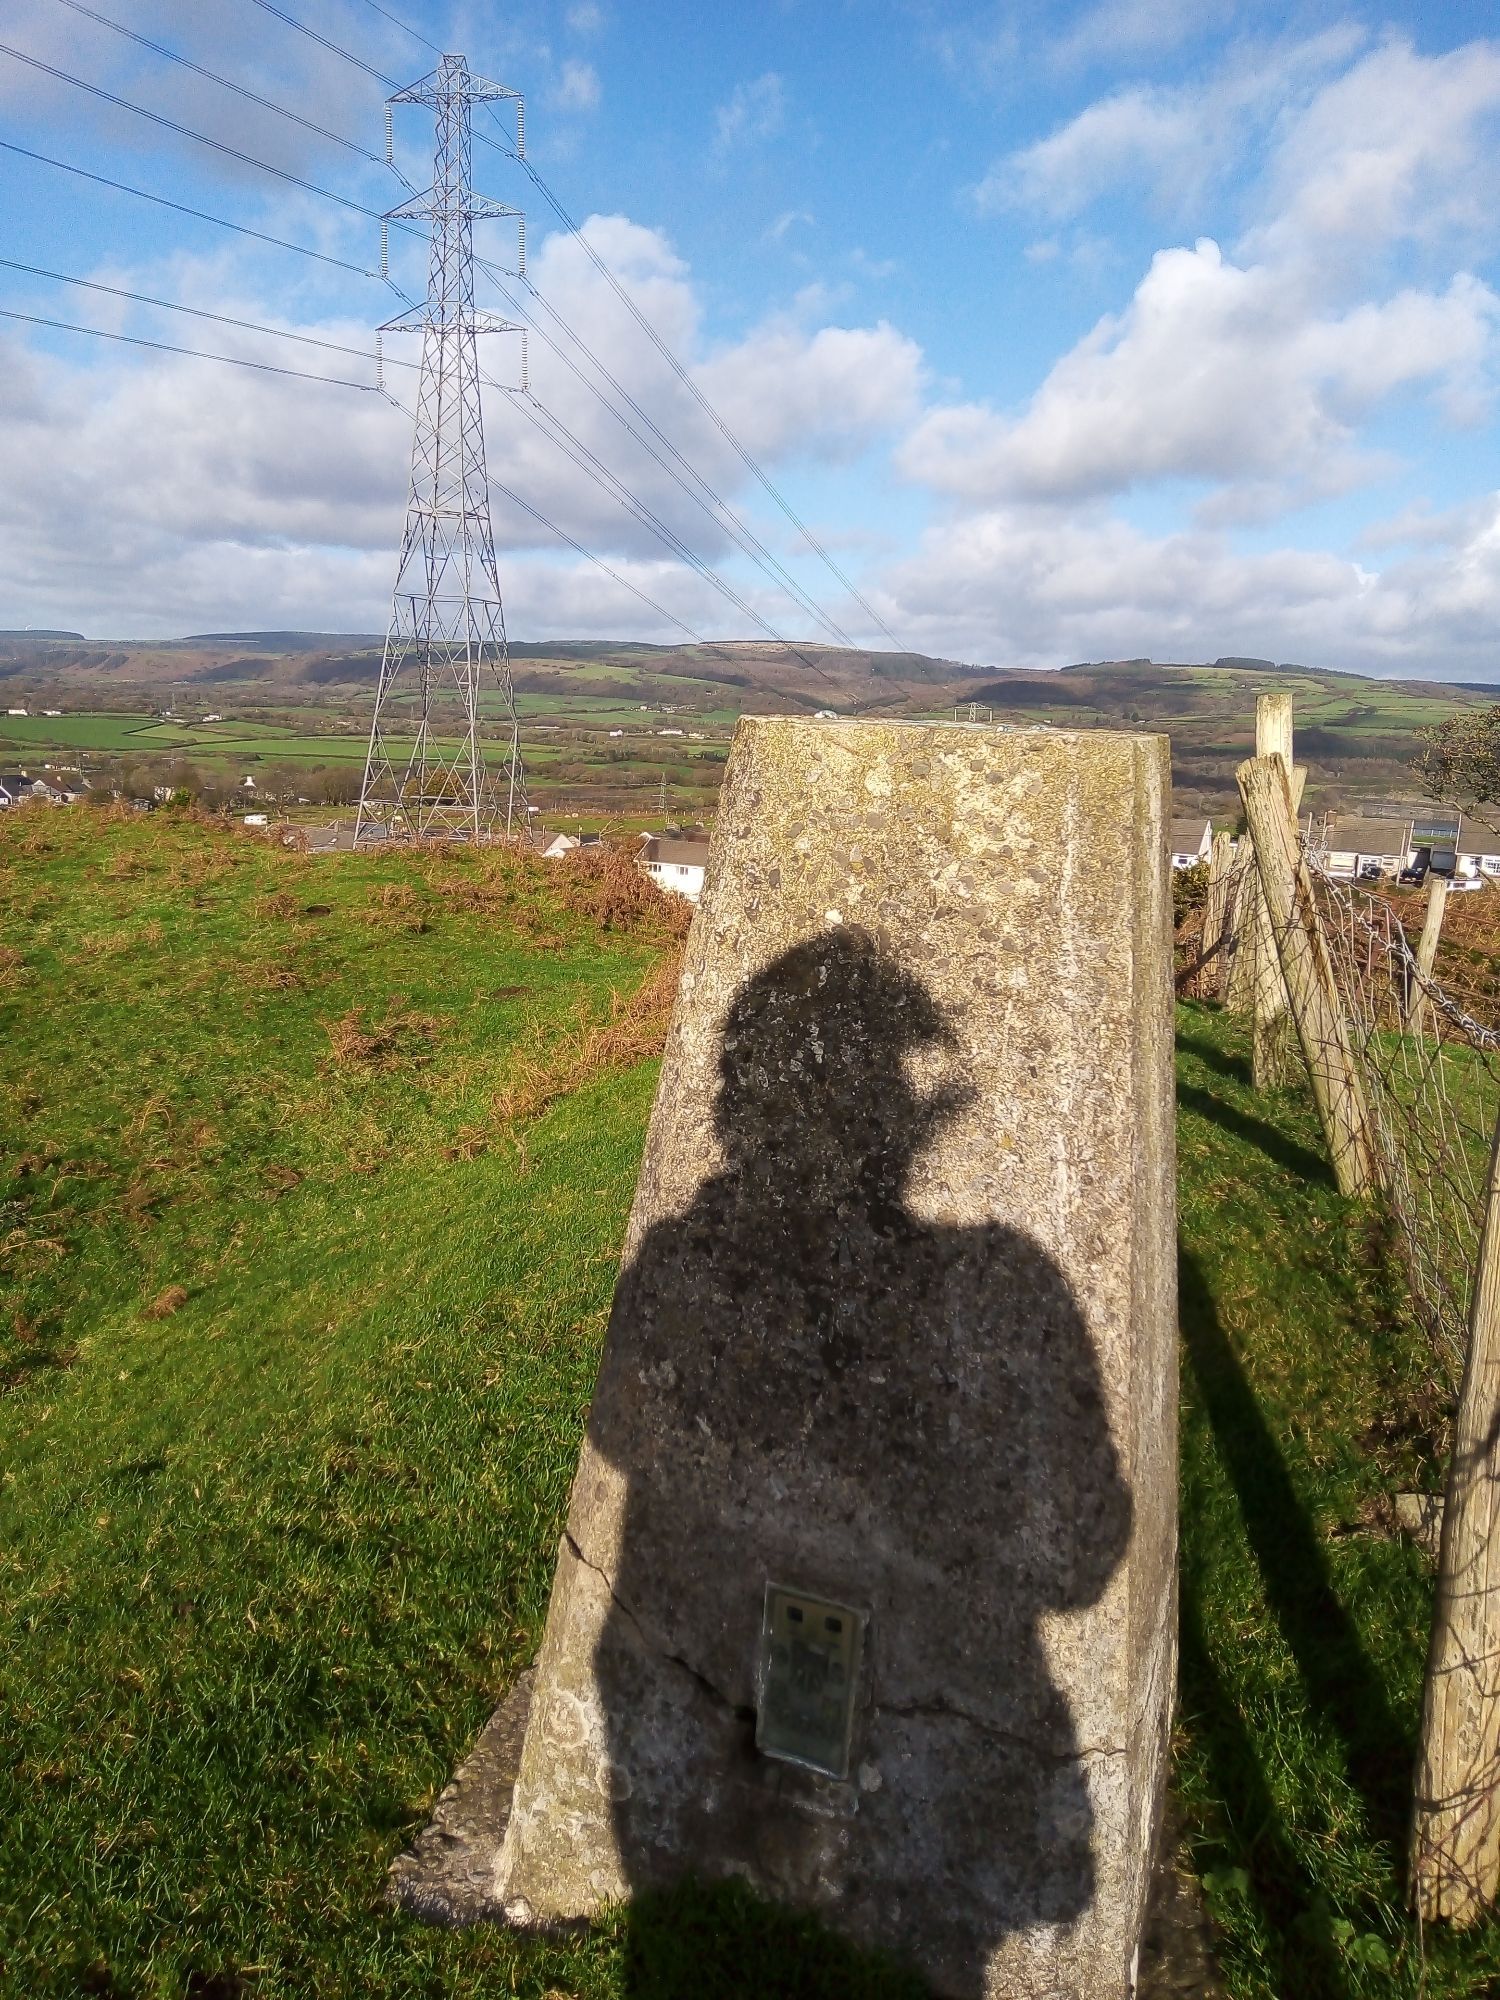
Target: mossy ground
<point x="299" y="1327"/>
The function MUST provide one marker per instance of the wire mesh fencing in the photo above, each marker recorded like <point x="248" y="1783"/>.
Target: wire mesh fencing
<point x="1428" y="1056"/>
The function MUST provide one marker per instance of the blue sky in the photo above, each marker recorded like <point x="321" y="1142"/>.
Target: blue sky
<point x="1072" y="332"/>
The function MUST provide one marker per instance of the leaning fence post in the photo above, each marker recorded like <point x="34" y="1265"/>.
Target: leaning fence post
<point x="1298" y="938"/>
<point x="1455" y="1840"/>
<point x="1432" y="930"/>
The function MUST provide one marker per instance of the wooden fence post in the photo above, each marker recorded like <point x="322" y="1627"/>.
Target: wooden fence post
<point x="1298" y="939"/>
<point x="1455" y="1841"/>
<point x="1216" y="910"/>
<point x="1268" y="1035"/>
<point x="1432" y="930"/>
<point x="1239" y="955"/>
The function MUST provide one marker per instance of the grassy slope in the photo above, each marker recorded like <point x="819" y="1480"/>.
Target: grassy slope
<point x="266" y="1560"/>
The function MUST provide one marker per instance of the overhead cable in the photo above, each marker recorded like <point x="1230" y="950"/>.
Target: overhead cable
<point x="187" y="132"/>
<point x="507" y="146"/>
<point x="195" y="353"/>
<point x="594" y="468"/>
<point x="199" y="214"/>
<point x="719" y="509"/>
<point x="226" y="82"/>
<point x="684" y="375"/>
<point x="195" y="312"/>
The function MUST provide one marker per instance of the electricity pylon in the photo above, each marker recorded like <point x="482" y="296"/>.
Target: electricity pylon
<point x="447" y="623"/>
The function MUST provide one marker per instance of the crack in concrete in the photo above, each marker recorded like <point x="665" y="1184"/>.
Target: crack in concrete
<point x="952" y="1712"/>
<point x="652" y="1644"/>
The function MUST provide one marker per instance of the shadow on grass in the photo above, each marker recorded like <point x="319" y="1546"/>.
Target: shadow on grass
<point x="700" y="1939"/>
<point x="1344" y="1692"/>
<point x="1236" y="1068"/>
<point x="1296" y="1912"/>
<point x="1299" y="1160"/>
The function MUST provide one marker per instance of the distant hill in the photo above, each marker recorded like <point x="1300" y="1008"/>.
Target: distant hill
<point x="1357" y="736"/>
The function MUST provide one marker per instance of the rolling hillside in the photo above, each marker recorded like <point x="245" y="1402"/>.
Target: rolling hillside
<point x="1357" y="736"/>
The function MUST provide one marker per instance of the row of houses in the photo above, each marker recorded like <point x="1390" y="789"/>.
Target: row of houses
<point x="1380" y="844"/>
<point x="52" y="788"/>
<point x="1399" y="840"/>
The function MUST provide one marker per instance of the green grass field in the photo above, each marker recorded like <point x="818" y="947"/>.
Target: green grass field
<point x="313" y="1174"/>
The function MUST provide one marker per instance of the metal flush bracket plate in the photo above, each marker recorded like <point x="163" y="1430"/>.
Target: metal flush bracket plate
<point x="808" y="1680"/>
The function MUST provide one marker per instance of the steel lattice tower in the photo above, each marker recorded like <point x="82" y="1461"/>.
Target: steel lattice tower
<point x="447" y="624"/>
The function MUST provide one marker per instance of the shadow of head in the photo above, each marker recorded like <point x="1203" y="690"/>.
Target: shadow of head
<point x="818" y="1083"/>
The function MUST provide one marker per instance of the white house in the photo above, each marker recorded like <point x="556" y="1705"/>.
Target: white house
<point x="675" y="863"/>
<point x="1356" y="846"/>
<point x="1191" y="841"/>
<point x="18" y="711"/>
<point x="556" y="845"/>
<point x="1478" y="851"/>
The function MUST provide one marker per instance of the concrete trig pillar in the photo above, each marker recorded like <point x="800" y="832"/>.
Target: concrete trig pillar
<point x="867" y="1596"/>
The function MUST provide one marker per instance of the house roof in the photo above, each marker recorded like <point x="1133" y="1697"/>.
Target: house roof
<point x="1186" y="836"/>
<point x="1388" y="837"/>
<point x="685" y="853"/>
<point x="1479" y="839"/>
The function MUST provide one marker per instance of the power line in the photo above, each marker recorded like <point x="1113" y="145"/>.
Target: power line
<point x="723" y="515"/>
<point x="187" y="132"/>
<point x="227" y="83"/>
<point x="512" y="151"/>
<point x="685" y="377"/>
<point x="719" y="509"/>
<point x="194" y="312"/>
<point x="568" y="442"/>
<point x="698" y="489"/>
<point x="333" y="47"/>
<point x="589" y="463"/>
<point x="199" y="214"/>
<point x="405" y="26"/>
<point x="195" y="353"/>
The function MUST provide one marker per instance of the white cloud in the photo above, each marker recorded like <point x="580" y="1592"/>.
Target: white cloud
<point x="1028" y="590"/>
<point x="789" y="220"/>
<point x="1214" y="372"/>
<point x="160" y="494"/>
<point x="1134" y="27"/>
<point x="577" y="87"/>
<point x="753" y="113"/>
<point x="586" y="19"/>
<point x="1174" y="142"/>
<point x="1401" y="146"/>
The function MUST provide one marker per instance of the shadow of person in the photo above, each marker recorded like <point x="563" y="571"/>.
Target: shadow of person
<point x="808" y="1385"/>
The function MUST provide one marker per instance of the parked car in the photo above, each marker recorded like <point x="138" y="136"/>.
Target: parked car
<point x="1414" y="876"/>
<point x="1371" y="871"/>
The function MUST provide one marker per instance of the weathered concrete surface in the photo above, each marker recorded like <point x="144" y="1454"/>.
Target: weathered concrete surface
<point x="447" y="1876"/>
<point x="896" y="1328"/>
